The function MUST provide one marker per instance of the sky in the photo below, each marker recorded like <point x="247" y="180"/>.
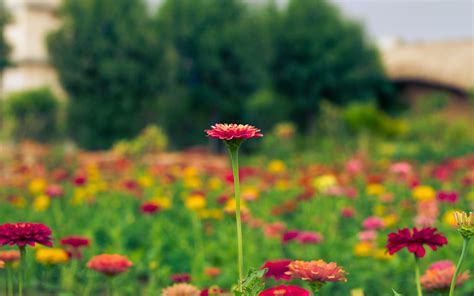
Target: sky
<point x="410" y="20"/>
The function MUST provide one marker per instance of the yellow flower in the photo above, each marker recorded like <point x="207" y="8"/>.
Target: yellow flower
<point x="192" y="183"/>
<point x="382" y="254"/>
<point x="216" y="214"/>
<point x="282" y="185"/>
<point x="423" y="193"/>
<point x="276" y="166"/>
<point x="37" y="186"/>
<point x="51" y="256"/>
<point x="214" y="183"/>
<point x="379" y="210"/>
<point x="250" y="193"/>
<point x="41" y="203"/>
<point x="324" y="182"/>
<point x="449" y="218"/>
<point x="363" y="249"/>
<point x="375" y="189"/>
<point x="163" y="202"/>
<point x="357" y="292"/>
<point x="470" y="196"/>
<point x="153" y="265"/>
<point x="390" y="220"/>
<point x="231" y="204"/>
<point x="190" y="172"/>
<point x="195" y="202"/>
<point x="145" y="181"/>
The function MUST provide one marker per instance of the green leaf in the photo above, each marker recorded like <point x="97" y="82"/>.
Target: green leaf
<point x="253" y="284"/>
<point x="395" y="293"/>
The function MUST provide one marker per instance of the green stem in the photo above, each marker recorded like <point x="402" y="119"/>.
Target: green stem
<point x="315" y="287"/>
<point x="10" y="279"/>
<point x="458" y="267"/>
<point x="234" y="157"/>
<point x="417" y="277"/>
<point x="110" y="286"/>
<point x="199" y="247"/>
<point x="21" y="273"/>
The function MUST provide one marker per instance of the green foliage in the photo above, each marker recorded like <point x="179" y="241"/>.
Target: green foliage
<point x="432" y="102"/>
<point x="220" y="48"/>
<point x="151" y="140"/>
<point x="367" y="118"/>
<point x="32" y="114"/>
<point x="265" y="109"/>
<point x="319" y="55"/>
<point x="4" y="47"/>
<point x="253" y="284"/>
<point x="111" y="65"/>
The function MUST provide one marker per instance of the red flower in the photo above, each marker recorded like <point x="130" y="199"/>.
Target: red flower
<point x="75" y="241"/>
<point x="285" y="291"/>
<point x="181" y="277"/>
<point x="277" y="269"/>
<point x="109" y="264"/>
<point x="54" y="191"/>
<point x="149" y="208"/>
<point x="414" y="240"/>
<point x="24" y="233"/>
<point x="9" y="256"/>
<point x="224" y="131"/>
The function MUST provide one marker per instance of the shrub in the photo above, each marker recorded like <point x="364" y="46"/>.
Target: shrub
<point x="151" y="140"/>
<point x="32" y="114"/>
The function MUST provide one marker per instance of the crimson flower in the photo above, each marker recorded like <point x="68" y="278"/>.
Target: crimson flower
<point x="285" y="291"/>
<point x="109" y="264"/>
<point x="277" y="269"/>
<point x="233" y="131"/>
<point x="25" y="233"/>
<point x="75" y="241"/>
<point x="414" y="240"/>
<point x="181" y="278"/>
<point x="149" y="208"/>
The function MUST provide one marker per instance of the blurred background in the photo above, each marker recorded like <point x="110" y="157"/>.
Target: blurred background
<point x="120" y="73"/>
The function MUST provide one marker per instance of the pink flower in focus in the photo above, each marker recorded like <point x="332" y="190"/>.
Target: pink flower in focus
<point x="373" y="223"/>
<point x="224" y="131"/>
<point x="317" y="271"/>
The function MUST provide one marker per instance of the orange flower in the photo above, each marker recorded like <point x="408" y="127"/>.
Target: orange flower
<point x="317" y="271"/>
<point x="109" y="264"/>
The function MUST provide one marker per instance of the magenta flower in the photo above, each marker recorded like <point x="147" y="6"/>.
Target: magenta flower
<point x="25" y="233"/>
<point x="414" y="240"/>
<point x="224" y="131"/>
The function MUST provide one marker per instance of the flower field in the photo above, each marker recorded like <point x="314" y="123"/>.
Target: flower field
<point x="136" y="227"/>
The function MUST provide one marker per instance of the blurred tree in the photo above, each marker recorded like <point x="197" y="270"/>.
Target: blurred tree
<point x="221" y="49"/>
<point x="112" y="66"/>
<point x="4" y="47"/>
<point x="320" y="55"/>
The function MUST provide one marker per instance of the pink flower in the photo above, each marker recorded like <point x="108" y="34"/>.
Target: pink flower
<point x="348" y="212"/>
<point x="317" y="271"/>
<point x="448" y="196"/>
<point x="354" y="166"/>
<point x="373" y="223"/>
<point x="442" y="264"/>
<point x="439" y="275"/>
<point x="54" y="191"/>
<point x="308" y="237"/>
<point x="401" y="168"/>
<point x="367" y="235"/>
<point x="149" y="208"/>
<point x="285" y="291"/>
<point x="274" y="230"/>
<point x="224" y="131"/>
<point x="25" y="233"/>
<point x="277" y="269"/>
<point x="109" y="264"/>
